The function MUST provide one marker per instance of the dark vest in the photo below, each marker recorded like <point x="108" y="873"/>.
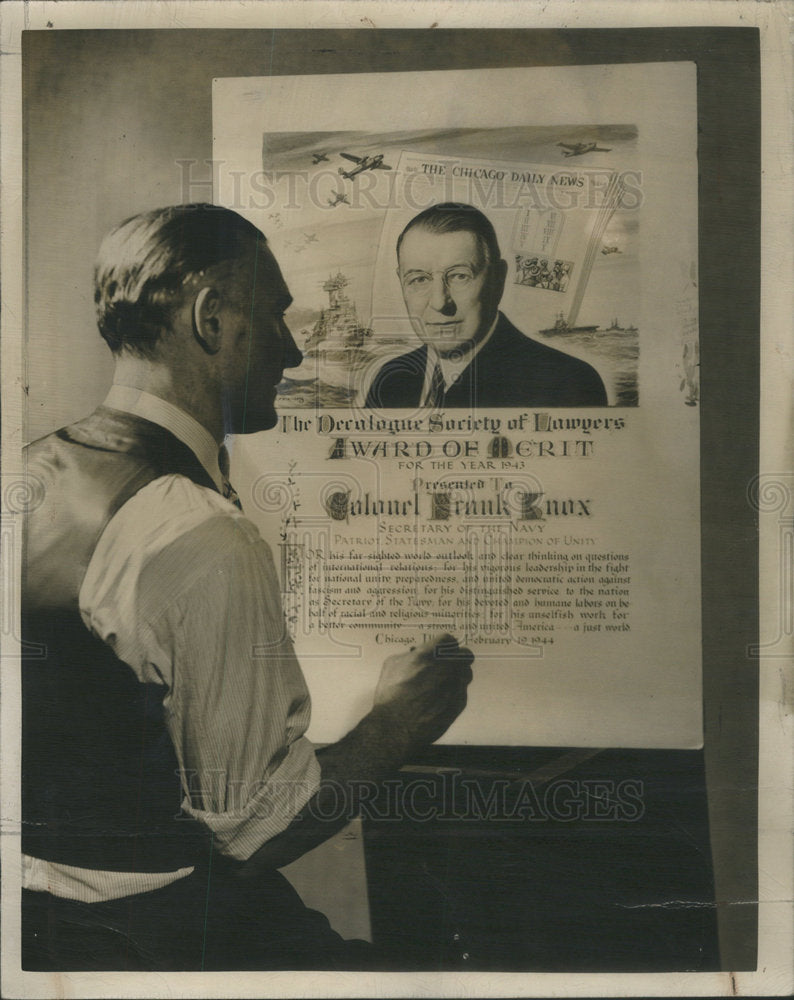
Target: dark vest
<point x="100" y="787"/>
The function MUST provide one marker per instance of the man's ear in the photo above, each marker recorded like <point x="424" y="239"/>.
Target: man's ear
<point x="494" y="288"/>
<point x="207" y="324"/>
<point x="500" y="277"/>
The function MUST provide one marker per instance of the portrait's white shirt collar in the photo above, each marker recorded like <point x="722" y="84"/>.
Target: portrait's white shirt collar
<point x="453" y="368"/>
<point x="173" y="419"/>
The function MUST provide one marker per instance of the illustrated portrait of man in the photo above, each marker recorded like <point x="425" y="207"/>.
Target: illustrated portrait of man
<point x="166" y="774"/>
<point x="452" y="277"/>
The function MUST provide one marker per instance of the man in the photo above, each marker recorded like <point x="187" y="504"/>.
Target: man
<point x="452" y="277"/>
<point x="165" y="769"/>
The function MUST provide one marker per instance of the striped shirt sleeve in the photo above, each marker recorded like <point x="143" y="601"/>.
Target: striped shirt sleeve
<point x="193" y="602"/>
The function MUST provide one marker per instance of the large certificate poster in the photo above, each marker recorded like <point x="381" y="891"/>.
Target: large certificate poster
<point x="555" y="532"/>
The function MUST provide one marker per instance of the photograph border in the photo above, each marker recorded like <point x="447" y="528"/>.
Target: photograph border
<point x="742" y="492"/>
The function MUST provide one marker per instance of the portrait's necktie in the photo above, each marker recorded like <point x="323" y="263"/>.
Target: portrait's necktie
<point x="228" y="490"/>
<point x="435" y="394"/>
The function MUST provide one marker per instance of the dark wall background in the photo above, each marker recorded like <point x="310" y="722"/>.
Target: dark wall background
<point x="108" y="116"/>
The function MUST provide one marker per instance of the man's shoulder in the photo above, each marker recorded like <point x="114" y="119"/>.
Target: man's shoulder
<point x="169" y="535"/>
<point x="398" y="381"/>
<point x="173" y="505"/>
<point x="508" y="338"/>
<point x="530" y="366"/>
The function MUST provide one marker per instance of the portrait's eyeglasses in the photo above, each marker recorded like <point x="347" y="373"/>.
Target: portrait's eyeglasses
<point x="421" y="282"/>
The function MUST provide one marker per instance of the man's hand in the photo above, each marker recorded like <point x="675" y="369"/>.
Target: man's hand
<point x="425" y="688"/>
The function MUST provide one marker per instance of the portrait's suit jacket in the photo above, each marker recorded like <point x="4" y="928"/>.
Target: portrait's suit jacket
<point x="510" y="370"/>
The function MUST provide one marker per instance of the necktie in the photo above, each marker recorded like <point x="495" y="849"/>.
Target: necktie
<point x="435" y="394"/>
<point x="228" y="490"/>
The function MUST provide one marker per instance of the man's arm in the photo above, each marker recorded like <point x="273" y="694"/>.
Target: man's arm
<point x="419" y="694"/>
<point x="238" y="703"/>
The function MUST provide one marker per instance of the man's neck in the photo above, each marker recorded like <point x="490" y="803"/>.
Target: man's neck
<point x="158" y="380"/>
<point x="454" y="363"/>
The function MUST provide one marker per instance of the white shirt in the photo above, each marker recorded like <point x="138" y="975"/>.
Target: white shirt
<point x="184" y="590"/>
<point x="452" y="367"/>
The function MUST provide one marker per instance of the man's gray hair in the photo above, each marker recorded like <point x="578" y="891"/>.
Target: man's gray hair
<point x="455" y="217"/>
<point x="144" y="263"/>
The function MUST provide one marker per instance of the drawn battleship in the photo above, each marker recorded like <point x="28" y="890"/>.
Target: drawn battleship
<point x="338" y="327"/>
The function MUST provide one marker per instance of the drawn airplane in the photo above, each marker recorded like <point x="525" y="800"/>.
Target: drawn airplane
<point x="606" y="249"/>
<point x="339" y="197"/>
<point x="319" y="157"/>
<point x="580" y="148"/>
<point x="363" y="163"/>
<point x="310" y="237"/>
